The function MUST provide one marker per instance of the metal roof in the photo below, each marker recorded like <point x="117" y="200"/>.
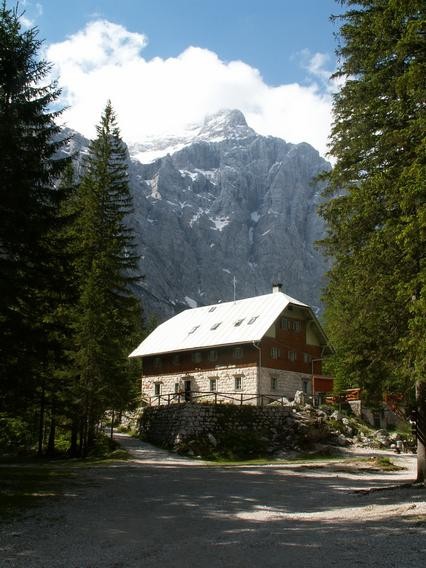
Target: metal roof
<point x="242" y="321"/>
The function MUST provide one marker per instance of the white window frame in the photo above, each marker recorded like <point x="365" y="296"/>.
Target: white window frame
<point x="213" y="384"/>
<point x="237" y="353"/>
<point x="275" y="352"/>
<point x="238" y="383"/>
<point x="196" y="356"/>
<point x="307" y="357"/>
<point x="213" y="355"/>
<point x="176" y="359"/>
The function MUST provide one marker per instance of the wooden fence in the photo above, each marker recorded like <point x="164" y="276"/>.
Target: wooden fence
<point x="216" y="398"/>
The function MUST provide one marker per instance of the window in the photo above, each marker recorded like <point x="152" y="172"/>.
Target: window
<point x="238" y="383"/>
<point x="252" y="320"/>
<point x="157" y="362"/>
<point x="237" y="353"/>
<point x="238" y="322"/>
<point x="176" y="359"/>
<point x="215" y="325"/>
<point x="177" y="388"/>
<point x="196" y="356"/>
<point x="307" y="357"/>
<point x="292" y="355"/>
<point x="213" y="355"/>
<point x="274" y="383"/>
<point x="293" y="324"/>
<point x="157" y="389"/>
<point x="194" y="329"/>
<point x="213" y="384"/>
<point x="275" y="352"/>
<point x="305" y="386"/>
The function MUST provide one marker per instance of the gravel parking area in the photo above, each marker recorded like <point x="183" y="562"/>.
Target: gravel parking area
<point x="159" y="510"/>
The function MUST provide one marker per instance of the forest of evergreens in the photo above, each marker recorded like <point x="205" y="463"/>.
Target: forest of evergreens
<point x="67" y="315"/>
<point x="374" y="206"/>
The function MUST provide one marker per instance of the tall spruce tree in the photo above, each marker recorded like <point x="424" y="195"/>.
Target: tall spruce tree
<point x="28" y="206"/>
<point x="375" y="210"/>
<point x="106" y="314"/>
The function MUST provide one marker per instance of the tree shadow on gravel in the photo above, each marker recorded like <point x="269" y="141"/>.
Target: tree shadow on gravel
<point x="173" y="515"/>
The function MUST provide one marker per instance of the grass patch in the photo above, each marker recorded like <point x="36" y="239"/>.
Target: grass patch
<point x="299" y="459"/>
<point x="26" y="485"/>
<point x="230" y="462"/>
<point x="383" y="463"/>
<point x="316" y="461"/>
<point x="374" y="464"/>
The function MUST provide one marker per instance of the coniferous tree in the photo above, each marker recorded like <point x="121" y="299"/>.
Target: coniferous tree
<point x="28" y="206"/>
<point x="59" y="381"/>
<point x="376" y="209"/>
<point x="106" y="314"/>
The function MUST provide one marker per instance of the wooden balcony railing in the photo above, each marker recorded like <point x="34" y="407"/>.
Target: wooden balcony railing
<point x="216" y="398"/>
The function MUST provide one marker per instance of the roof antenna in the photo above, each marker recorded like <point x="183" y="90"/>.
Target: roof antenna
<point x="235" y="286"/>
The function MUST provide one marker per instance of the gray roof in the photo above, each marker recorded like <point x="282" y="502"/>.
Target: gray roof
<point x="230" y="323"/>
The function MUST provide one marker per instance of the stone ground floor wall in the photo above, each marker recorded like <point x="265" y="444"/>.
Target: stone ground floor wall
<point x="286" y="384"/>
<point x="272" y="382"/>
<point x="218" y="426"/>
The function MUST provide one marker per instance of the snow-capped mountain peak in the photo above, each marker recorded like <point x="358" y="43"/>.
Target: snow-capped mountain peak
<point x="223" y="125"/>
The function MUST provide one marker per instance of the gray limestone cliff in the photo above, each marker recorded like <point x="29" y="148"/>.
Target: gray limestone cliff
<point x="228" y="203"/>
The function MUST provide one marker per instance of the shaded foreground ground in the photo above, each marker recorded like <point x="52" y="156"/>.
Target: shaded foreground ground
<point x="160" y="510"/>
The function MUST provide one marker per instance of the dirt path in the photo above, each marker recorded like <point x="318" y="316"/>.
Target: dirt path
<point x="160" y="510"/>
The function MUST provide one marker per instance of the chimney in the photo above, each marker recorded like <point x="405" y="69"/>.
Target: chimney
<point x="276" y="287"/>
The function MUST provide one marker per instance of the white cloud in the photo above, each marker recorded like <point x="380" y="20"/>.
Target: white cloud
<point x="31" y="11"/>
<point x="158" y="96"/>
<point x="316" y="64"/>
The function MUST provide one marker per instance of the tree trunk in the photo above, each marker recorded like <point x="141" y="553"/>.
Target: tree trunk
<point x="112" y="425"/>
<point x="421" y="431"/>
<point x="41" y="423"/>
<point x="74" y="448"/>
<point x="52" y="433"/>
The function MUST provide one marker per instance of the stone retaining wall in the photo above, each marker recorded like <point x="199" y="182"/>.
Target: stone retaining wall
<point x="179" y="426"/>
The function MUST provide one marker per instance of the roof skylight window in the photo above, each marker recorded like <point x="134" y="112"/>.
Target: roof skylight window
<point x="215" y="325"/>
<point x="238" y="322"/>
<point x="194" y="329"/>
<point x="252" y="320"/>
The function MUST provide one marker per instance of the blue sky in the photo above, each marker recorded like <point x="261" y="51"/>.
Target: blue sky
<point x="279" y="51"/>
<point x="267" y="34"/>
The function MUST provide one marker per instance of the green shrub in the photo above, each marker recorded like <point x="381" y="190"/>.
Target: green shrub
<point x="15" y="434"/>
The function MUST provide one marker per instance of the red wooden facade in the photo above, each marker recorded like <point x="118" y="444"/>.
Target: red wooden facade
<point x="285" y="348"/>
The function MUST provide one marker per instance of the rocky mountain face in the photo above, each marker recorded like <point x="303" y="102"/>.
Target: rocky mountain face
<point x="225" y="202"/>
